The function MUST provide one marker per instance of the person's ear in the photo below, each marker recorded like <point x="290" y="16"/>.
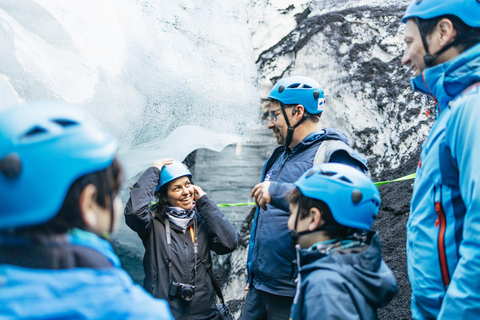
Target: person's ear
<point x="299" y="111"/>
<point x="446" y="31"/>
<point x="315" y="217"/>
<point x="88" y="205"/>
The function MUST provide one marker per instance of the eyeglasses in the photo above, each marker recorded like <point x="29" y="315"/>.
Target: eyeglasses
<point x="273" y="115"/>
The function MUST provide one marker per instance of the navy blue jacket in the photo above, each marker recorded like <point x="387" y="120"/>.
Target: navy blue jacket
<point x="347" y="284"/>
<point x="270" y="253"/>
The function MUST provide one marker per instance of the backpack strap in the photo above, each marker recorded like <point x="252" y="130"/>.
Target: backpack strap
<point x="329" y="147"/>
<point x="326" y="149"/>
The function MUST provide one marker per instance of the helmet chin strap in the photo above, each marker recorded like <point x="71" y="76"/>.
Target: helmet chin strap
<point x="290" y="128"/>
<point x="428" y="58"/>
<point x="295" y="235"/>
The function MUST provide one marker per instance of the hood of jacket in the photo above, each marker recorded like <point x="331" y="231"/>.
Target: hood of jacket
<point x="365" y="269"/>
<point x="447" y="80"/>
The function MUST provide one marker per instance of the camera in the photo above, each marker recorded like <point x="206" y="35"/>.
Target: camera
<point x="182" y="290"/>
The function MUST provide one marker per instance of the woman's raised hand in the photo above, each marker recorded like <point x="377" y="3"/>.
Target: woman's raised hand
<point x="162" y="162"/>
<point x="198" y="192"/>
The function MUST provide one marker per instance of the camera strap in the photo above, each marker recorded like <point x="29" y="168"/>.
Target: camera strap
<point x="216" y="285"/>
<point x="208" y="266"/>
<point x="168" y="233"/>
<point x="169" y="244"/>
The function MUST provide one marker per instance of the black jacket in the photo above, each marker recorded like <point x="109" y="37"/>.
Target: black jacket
<point x="214" y="232"/>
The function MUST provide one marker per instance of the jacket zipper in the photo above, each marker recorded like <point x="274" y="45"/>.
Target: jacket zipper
<point x="441" y="222"/>
<point x="437" y="104"/>
<point x="284" y="160"/>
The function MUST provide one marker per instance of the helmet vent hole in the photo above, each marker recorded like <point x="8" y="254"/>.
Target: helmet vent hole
<point x="281" y="88"/>
<point x="65" y="123"/>
<point x="345" y="179"/>
<point x="306" y="86"/>
<point x="316" y="94"/>
<point x="328" y="173"/>
<point x="35" y="131"/>
<point x="293" y="86"/>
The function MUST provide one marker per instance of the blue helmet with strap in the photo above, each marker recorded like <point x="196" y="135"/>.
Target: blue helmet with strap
<point x="352" y="197"/>
<point x="466" y="10"/>
<point x="44" y="148"/>
<point x="171" y="172"/>
<point x="299" y="90"/>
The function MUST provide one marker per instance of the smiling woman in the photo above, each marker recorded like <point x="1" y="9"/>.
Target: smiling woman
<point x="178" y="232"/>
<point x="180" y="193"/>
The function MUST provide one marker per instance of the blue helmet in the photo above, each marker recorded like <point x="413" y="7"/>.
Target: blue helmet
<point x="466" y="10"/>
<point x="299" y="90"/>
<point x="171" y="172"/>
<point x="44" y="148"/>
<point x="351" y="196"/>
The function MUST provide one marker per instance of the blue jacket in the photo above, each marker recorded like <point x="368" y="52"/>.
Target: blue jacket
<point x="443" y="229"/>
<point x="75" y="293"/>
<point x="347" y="284"/>
<point x="270" y="253"/>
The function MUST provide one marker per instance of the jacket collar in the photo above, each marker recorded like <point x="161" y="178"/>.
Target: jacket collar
<point x="324" y="134"/>
<point x="68" y="252"/>
<point x="447" y="80"/>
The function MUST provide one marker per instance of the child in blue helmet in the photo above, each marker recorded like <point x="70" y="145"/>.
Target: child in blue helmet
<point x="178" y="232"/>
<point x="59" y="183"/>
<point x="341" y="273"/>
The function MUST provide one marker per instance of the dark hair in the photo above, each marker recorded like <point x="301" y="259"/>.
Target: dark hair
<point x="107" y="182"/>
<point x="469" y="36"/>
<point x="304" y="206"/>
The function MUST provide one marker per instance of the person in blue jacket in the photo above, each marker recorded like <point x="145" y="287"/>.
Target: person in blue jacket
<point x="295" y="106"/>
<point x="341" y="271"/>
<point x="443" y="243"/>
<point x="59" y="183"/>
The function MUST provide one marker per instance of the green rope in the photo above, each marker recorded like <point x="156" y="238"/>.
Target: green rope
<point x="407" y="177"/>
<point x="223" y="205"/>
<point x="235" y="204"/>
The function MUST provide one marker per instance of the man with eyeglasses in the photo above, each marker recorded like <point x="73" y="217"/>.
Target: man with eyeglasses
<point x="295" y="106"/>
